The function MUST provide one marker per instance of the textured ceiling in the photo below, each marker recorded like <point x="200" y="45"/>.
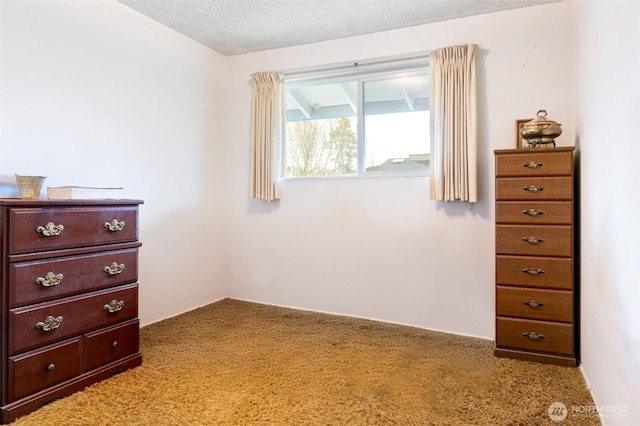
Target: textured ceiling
<point x="233" y="27"/>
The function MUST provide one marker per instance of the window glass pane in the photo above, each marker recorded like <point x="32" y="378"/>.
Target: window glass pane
<point x="365" y="122"/>
<point x="396" y="124"/>
<point x="321" y="147"/>
<point x="321" y="130"/>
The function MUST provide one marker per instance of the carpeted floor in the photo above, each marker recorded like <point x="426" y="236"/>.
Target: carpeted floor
<point x="239" y="363"/>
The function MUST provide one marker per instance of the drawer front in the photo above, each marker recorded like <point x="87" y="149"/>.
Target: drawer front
<point x="535" y="212"/>
<point x="549" y="240"/>
<point x="550" y="337"/>
<point x="41" y="280"/>
<point x="538" y="188"/>
<point x="540" y="272"/>
<point x="37" y="325"/>
<point x="104" y="346"/>
<point x="34" y="230"/>
<point x="548" y="305"/>
<point x="532" y="163"/>
<point x="44" y="367"/>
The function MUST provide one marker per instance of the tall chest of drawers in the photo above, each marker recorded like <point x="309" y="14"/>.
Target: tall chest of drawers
<point x="535" y="297"/>
<point x="69" y="297"/>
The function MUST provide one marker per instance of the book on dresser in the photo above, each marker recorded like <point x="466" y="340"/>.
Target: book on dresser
<point x="73" y="192"/>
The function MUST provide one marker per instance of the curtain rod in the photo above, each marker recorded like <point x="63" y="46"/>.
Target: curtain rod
<point x="356" y="64"/>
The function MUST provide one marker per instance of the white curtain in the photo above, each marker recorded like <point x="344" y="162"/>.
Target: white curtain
<point x="453" y="172"/>
<point x="266" y="135"/>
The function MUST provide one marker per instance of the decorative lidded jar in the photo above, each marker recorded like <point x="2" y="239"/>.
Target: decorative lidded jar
<point x="540" y="130"/>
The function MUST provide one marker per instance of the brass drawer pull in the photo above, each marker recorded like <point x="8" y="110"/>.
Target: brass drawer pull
<point x="532" y="212"/>
<point x="50" y="229"/>
<point x="533" y="335"/>
<point x="114" y="226"/>
<point x="114" y="306"/>
<point x="533" y="165"/>
<point x="114" y="344"/>
<point x="114" y="269"/>
<point x="50" y="280"/>
<point x="533" y="271"/>
<point x="50" y="323"/>
<point x="51" y="367"/>
<point x="533" y="188"/>
<point x="532" y="303"/>
<point x="532" y="240"/>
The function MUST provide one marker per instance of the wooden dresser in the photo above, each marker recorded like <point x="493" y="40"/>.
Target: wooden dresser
<point x="535" y="298"/>
<point x="69" y="297"/>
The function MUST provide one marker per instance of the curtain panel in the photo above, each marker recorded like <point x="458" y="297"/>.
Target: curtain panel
<point x="266" y="134"/>
<point x="453" y="171"/>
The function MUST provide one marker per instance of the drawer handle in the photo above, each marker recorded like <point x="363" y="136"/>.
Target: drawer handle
<point x="532" y="240"/>
<point x="50" y="323"/>
<point x="533" y="188"/>
<point x="533" y="271"/>
<point x="51" y="367"/>
<point x="533" y="335"/>
<point x="114" y="226"/>
<point x="532" y="212"/>
<point x="50" y="229"/>
<point x="114" y="306"/>
<point x="114" y="344"/>
<point x="50" y="280"/>
<point x="114" y="269"/>
<point x="532" y="303"/>
<point x="533" y="165"/>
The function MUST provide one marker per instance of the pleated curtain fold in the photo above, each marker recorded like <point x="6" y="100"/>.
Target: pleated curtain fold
<point x="266" y="134"/>
<point x="453" y="101"/>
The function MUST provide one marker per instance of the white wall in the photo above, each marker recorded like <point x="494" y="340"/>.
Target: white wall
<point x="94" y="93"/>
<point x="378" y="248"/>
<point x="607" y="116"/>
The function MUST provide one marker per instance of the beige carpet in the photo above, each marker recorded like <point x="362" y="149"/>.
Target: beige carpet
<point x="239" y="363"/>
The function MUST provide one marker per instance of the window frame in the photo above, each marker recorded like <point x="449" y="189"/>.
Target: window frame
<point x="387" y="72"/>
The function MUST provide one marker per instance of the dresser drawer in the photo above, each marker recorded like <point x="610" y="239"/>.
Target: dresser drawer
<point x="44" y="367"/>
<point x="546" y="240"/>
<point x="543" y="336"/>
<point x="538" y="188"/>
<point x="541" y="272"/>
<point x="40" y="229"/>
<point x="535" y="212"/>
<point x="37" y="325"/>
<point x="40" y="280"/>
<point x="535" y="163"/>
<point x="548" y="305"/>
<point x="104" y="346"/>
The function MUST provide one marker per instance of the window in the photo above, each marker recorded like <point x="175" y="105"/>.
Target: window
<point x="369" y="122"/>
